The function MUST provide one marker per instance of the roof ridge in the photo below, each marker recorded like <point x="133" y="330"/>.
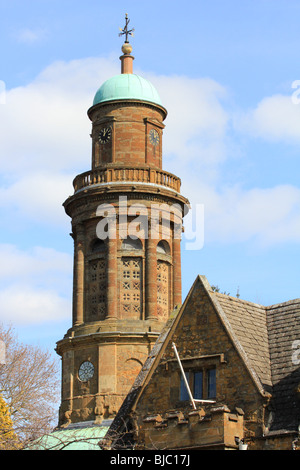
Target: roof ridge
<point x="282" y="304"/>
<point x="237" y="299"/>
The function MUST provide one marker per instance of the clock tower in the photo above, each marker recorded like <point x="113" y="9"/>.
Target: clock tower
<point x="126" y="217"/>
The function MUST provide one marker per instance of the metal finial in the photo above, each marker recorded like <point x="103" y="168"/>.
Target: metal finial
<point x="125" y="30"/>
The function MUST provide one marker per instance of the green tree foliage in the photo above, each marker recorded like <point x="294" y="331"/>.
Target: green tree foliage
<point x="8" y="438"/>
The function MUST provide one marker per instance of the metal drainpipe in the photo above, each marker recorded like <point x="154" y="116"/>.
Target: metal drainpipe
<point x="184" y="377"/>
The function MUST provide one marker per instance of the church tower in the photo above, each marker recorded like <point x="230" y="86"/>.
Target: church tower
<point x="126" y="225"/>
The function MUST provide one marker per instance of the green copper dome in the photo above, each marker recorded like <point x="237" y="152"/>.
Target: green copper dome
<point x="127" y="86"/>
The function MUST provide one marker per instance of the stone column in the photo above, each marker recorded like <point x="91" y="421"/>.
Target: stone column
<point x="151" y="279"/>
<point x="176" y="272"/>
<point x="78" y="290"/>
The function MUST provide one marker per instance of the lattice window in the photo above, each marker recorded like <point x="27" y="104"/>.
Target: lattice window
<point x="97" y="290"/>
<point x="131" y="288"/>
<point x="163" y="306"/>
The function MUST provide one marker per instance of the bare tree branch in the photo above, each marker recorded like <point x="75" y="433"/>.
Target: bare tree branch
<point x="29" y="383"/>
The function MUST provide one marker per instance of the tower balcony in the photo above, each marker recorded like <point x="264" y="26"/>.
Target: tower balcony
<point x="124" y="174"/>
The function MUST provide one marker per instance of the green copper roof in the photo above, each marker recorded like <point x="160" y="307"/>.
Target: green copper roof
<point x="73" y="438"/>
<point x="127" y="86"/>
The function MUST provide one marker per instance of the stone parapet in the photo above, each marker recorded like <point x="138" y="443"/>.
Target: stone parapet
<point x="211" y="428"/>
<point x="123" y="174"/>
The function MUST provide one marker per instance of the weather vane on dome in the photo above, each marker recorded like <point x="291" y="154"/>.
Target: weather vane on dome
<point x="126" y="31"/>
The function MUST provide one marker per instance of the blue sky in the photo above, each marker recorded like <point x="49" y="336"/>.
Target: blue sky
<point x="224" y="71"/>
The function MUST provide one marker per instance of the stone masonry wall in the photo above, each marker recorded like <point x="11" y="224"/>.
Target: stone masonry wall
<point x="202" y="343"/>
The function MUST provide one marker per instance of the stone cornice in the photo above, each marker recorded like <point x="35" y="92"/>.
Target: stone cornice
<point x="123" y="103"/>
<point x="105" y="337"/>
<point x="95" y="195"/>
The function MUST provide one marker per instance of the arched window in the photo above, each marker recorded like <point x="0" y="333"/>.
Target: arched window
<point x="131" y="367"/>
<point x="132" y="244"/>
<point x="97" y="290"/>
<point x="97" y="282"/>
<point x="98" y="246"/>
<point x="163" y="284"/>
<point x="131" y="287"/>
<point x="163" y="247"/>
<point x="131" y="277"/>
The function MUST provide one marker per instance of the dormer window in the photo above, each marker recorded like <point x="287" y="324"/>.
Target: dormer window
<point x="211" y="383"/>
<point x="202" y="384"/>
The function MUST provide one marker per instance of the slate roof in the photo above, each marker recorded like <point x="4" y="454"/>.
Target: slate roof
<point x="283" y="322"/>
<point x="249" y="323"/>
<point x="267" y="335"/>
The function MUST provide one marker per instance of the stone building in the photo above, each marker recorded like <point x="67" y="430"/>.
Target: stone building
<point x="241" y="363"/>
<point x="120" y="371"/>
<point x="126" y="224"/>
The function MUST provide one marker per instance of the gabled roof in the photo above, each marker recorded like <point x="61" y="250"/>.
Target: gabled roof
<point x="263" y="338"/>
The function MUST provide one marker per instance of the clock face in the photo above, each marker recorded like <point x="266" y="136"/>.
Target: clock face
<point x="154" y="137"/>
<point x="86" y="371"/>
<point x="105" y="135"/>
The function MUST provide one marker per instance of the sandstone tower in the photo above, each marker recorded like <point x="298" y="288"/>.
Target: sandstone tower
<point x="126" y="224"/>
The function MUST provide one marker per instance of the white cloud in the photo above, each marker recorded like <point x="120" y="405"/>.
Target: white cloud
<point x="197" y="121"/>
<point x="44" y="125"/>
<point x="38" y="196"/>
<point x="275" y="118"/>
<point x="22" y="305"/>
<point x="265" y="217"/>
<point x="18" y="264"/>
<point x="197" y="134"/>
<point x="35" y="285"/>
<point x="30" y="36"/>
<point x="44" y="132"/>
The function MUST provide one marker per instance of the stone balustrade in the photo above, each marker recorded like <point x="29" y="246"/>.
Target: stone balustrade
<point x="126" y="174"/>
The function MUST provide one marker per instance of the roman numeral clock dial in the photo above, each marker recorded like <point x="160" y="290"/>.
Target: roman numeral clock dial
<point x="105" y="135"/>
<point x="154" y="137"/>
